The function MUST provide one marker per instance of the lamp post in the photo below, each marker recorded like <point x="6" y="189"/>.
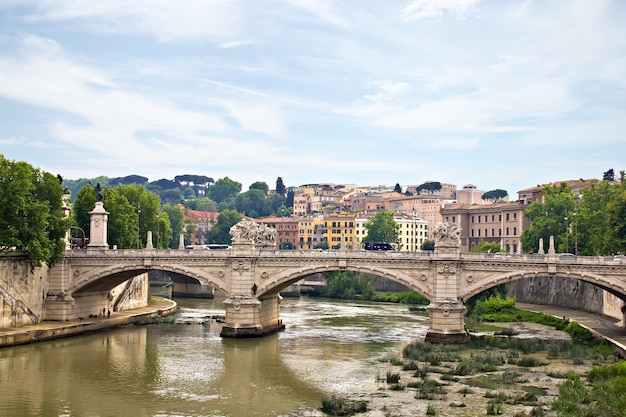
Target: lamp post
<point x="575" y="234"/>
<point x="566" y="236"/>
<point x="414" y="233"/>
<point x="138" y="229"/>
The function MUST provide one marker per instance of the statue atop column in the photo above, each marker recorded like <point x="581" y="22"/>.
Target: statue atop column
<point x="248" y="231"/>
<point x="448" y="239"/>
<point x="98" y="190"/>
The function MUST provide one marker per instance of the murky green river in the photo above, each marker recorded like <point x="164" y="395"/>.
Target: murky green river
<point x="185" y="369"/>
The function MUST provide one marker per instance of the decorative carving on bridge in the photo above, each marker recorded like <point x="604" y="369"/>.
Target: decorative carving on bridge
<point x="470" y="278"/>
<point x="248" y="231"/>
<point x="447" y="234"/>
<point x="446" y="270"/>
<point x="423" y="277"/>
<point x="241" y="266"/>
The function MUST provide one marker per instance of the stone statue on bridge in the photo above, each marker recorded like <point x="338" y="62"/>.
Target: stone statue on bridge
<point x="448" y="235"/>
<point x="248" y="231"/>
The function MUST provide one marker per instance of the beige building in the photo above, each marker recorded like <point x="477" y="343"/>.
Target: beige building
<point x="530" y="195"/>
<point x="412" y="233"/>
<point x="423" y="207"/>
<point x="500" y="223"/>
<point x="308" y="232"/>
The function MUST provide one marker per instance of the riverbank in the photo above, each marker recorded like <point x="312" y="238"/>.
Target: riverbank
<point x="508" y="389"/>
<point x="50" y="330"/>
<point x="507" y="382"/>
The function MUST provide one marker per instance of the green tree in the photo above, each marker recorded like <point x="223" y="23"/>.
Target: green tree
<point x="549" y="218"/>
<point x="260" y="186"/>
<point x="84" y="203"/>
<point x="254" y="203"/>
<point x="484" y="247"/>
<point x="202" y="204"/>
<point x="428" y="245"/>
<point x="431" y="187"/>
<point x="220" y="232"/>
<point x="31" y="214"/>
<point x="175" y="216"/>
<point x="224" y="189"/>
<point x="598" y="225"/>
<point x="382" y="228"/>
<point x="495" y="195"/>
<point x="280" y="187"/>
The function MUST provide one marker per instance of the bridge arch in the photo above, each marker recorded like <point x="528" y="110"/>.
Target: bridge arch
<point x="595" y="279"/>
<point x="109" y="277"/>
<point x="279" y="282"/>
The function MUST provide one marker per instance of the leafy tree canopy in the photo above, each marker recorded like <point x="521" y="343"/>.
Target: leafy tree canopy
<point x="382" y="228"/>
<point x="195" y="180"/>
<point x="260" y="186"/>
<point x="549" y="218"/>
<point x="31" y="214"/>
<point x="431" y="187"/>
<point x="495" y="195"/>
<point x="280" y="187"/>
<point x="220" y="232"/>
<point x="223" y="189"/>
<point x="129" y="179"/>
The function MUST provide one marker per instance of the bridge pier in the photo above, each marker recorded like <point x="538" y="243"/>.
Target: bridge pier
<point x="247" y="316"/>
<point x="446" y="311"/>
<point x="447" y="322"/>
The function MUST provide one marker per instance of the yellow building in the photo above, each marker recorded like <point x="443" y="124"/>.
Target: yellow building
<point x="340" y="230"/>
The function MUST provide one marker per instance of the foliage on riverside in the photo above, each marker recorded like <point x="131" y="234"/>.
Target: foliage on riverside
<point x="593" y="223"/>
<point x="31" y="214"/>
<point x="358" y="286"/>
<point x="603" y="396"/>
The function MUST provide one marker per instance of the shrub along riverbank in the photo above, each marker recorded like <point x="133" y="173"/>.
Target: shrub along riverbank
<point x="441" y="374"/>
<point x="358" y="286"/>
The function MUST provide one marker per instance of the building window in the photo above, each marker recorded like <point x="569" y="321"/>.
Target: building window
<point x="515" y="231"/>
<point x="472" y="219"/>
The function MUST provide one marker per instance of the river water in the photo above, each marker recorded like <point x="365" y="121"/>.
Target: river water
<point x="183" y="368"/>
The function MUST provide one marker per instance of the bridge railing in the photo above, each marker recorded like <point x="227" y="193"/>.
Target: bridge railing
<point x="271" y="253"/>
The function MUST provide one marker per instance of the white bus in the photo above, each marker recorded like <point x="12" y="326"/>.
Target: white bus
<point x="209" y="246"/>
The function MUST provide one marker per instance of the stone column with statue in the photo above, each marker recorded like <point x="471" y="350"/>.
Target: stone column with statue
<point x="446" y="311"/>
<point x="98" y="224"/>
<point x="246" y="313"/>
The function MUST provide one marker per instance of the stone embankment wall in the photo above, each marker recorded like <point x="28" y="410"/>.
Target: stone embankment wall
<point x="567" y="293"/>
<point x="22" y="291"/>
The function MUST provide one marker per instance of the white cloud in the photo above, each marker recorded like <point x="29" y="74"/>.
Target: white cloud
<point x="423" y="9"/>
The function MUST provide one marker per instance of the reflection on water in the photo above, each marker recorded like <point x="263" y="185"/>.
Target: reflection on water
<point x="185" y="369"/>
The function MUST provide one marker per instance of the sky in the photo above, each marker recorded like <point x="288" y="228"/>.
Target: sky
<point x="501" y="94"/>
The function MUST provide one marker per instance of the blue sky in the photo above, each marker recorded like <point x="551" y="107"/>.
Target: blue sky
<point x="499" y="94"/>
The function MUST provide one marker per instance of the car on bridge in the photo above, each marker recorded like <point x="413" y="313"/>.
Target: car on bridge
<point x="379" y="246"/>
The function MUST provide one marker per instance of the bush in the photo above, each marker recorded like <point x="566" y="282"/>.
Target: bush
<point x="340" y="407"/>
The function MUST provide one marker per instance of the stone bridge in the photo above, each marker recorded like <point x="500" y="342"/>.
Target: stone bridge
<point x="252" y="277"/>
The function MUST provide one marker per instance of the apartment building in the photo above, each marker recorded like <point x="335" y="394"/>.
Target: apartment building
<point x="423" y="207"/>
<point x="500" y="223"/>
<point x="412" y="233"/>
<point x="286" y="229"/>
<point x="309" y="232"/>
<point x="339" y="229"/>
